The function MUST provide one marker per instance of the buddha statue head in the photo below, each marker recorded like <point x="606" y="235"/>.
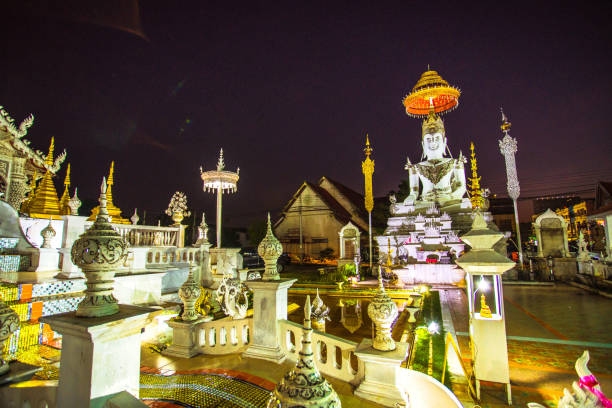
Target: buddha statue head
<point x="434" y="138"/>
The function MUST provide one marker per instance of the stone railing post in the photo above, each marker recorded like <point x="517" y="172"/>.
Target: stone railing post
<point x="74" y="225"/>
<point x="269" y="307"/>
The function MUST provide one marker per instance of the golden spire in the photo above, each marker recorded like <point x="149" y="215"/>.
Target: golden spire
<point x="475" y="191"/>
<point x="113" y="210"/>
<point x="49" y="159"/>
<point x="65" y="210"/>
<point x="367" y="167"/>
<point x="44" y="203"/>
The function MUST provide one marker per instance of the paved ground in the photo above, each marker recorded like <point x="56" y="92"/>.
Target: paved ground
<point x="548" y="328"/>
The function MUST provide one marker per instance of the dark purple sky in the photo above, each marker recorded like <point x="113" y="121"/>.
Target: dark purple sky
<point x="289" y="92"/>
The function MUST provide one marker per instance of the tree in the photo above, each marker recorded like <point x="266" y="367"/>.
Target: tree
<point x="256" y="232"/>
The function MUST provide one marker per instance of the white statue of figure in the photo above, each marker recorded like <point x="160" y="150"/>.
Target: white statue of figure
<point x="442" y="178"/>
<point x="583" y="252"/>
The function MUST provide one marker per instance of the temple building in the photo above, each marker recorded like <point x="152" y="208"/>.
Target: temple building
<point x="313" y="218"/>
<point x="21" y="166"/>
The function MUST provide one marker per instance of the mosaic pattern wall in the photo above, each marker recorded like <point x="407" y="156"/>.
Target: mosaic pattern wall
<point x="32" y="301"/>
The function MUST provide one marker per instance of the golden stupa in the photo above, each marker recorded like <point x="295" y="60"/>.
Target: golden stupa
<point x="113" y="211"/>
<point x="64" y="209"/>
<point x="431" y="91"/>
<point x="44" y="203"/>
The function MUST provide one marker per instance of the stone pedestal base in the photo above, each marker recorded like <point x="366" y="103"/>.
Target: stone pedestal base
<point x="69" y="270"/>
<point x="269" y="306"/>
<point x="100" y="355"/>
<point x="381" y="383"/>
<point x="184" y="341"/>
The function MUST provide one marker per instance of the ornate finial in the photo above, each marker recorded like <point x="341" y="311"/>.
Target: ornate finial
<point x="505" y="126"/>
<point x="49" y="159"/>
<point x="135" y="218"/>
<point x="220" y="163"/>
<point x="304" y="385"/>
<point x="368" y="150"/>
<point x="307" y="313"/>
<point x="102" y="200"/>
<point x="475" y="193"/>
<point x="74" y="203"/>
<point x="202" y="232"/>
<point x="97" y="252"/>
<point x="382" y="311"/>
<point x="47" y="234"/>
<point x="67" y="179"/>
<point x="111" y="173"/>
<point x="270" y="249"/>
<point x="189" y="293"/>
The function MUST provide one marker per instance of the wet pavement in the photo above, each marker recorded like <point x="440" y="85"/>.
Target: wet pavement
<point x="548" y="328"/>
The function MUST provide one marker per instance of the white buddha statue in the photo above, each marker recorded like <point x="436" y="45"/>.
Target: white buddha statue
<point x="442" y="178"/>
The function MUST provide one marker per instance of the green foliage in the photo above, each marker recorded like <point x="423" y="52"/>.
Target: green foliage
<point x="336" y="276"/>
<point x="256" y="232"/>
<point x="348" y="270"/>
<point x="432" y="312"/>
<point x="327" y="253"/>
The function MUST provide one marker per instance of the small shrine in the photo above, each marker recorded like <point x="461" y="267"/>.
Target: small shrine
<point x="113" y="211"/>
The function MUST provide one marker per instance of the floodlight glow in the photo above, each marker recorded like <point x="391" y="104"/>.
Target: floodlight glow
<point x="433" y="328"/>
<point x="483" y="285"/>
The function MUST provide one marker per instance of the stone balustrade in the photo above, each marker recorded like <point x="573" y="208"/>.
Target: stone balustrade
<point x="147" y="235"/>
<point x="172" y="254"/>
<point x="334" y="356"/>
<point x="224" y="336"/>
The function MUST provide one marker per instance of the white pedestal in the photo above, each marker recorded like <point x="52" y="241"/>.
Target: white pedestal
<point x="381" y="380"/>
<point x="269" y="306"/>
<point x="100" y="356"/>
<point x="184" y="340"/>
<point x="69" y="270"/>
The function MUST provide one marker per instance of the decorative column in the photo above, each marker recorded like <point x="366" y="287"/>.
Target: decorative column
<point x="484" y="267"/>
<point x="220" y="181"/>
<point x="382" y="356"/>
<point x="101" y="340"/>
<point x="304" y="386"/>
<point x="508" y="148"/>
<point x="269" y="304"/>
<point x="367" y="168"/>
<point x="18" y="187"/>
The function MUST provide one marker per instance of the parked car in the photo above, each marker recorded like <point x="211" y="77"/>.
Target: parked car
<point x="251" y="259"/>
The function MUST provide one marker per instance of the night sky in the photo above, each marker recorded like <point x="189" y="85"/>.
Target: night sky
<point x="289" y="91"/>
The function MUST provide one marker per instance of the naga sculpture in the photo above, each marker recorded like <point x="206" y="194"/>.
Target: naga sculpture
<point x="232" y="297"/>
<point x="586" y="392"/>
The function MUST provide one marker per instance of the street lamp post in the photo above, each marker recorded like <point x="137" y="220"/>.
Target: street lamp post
<point x="508" y="148"/>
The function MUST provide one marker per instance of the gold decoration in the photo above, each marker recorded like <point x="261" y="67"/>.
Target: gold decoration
<point x="430" y="90"/>
<point x="113" y="211"/>
<point x="203" y="305"/>
<point x="25" y="205"/>
<point x="45" y="203"/>
<point x="475" y="190"/>
<point x="367" y="167"/>
<point x="485" y="311"/>
<point x="64" y="209"/>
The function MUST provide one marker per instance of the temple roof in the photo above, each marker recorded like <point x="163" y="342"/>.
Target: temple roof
<point x="16" y="137"/>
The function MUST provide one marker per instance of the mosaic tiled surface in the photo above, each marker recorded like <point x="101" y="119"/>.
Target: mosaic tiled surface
<point x="58" y="287"/>
<point x="8" y="243"/>
<point x="45" y="357"/>
<point x="61" y="305"/>
<point x="9" y="263"/>
<point x="203" y="389"/>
